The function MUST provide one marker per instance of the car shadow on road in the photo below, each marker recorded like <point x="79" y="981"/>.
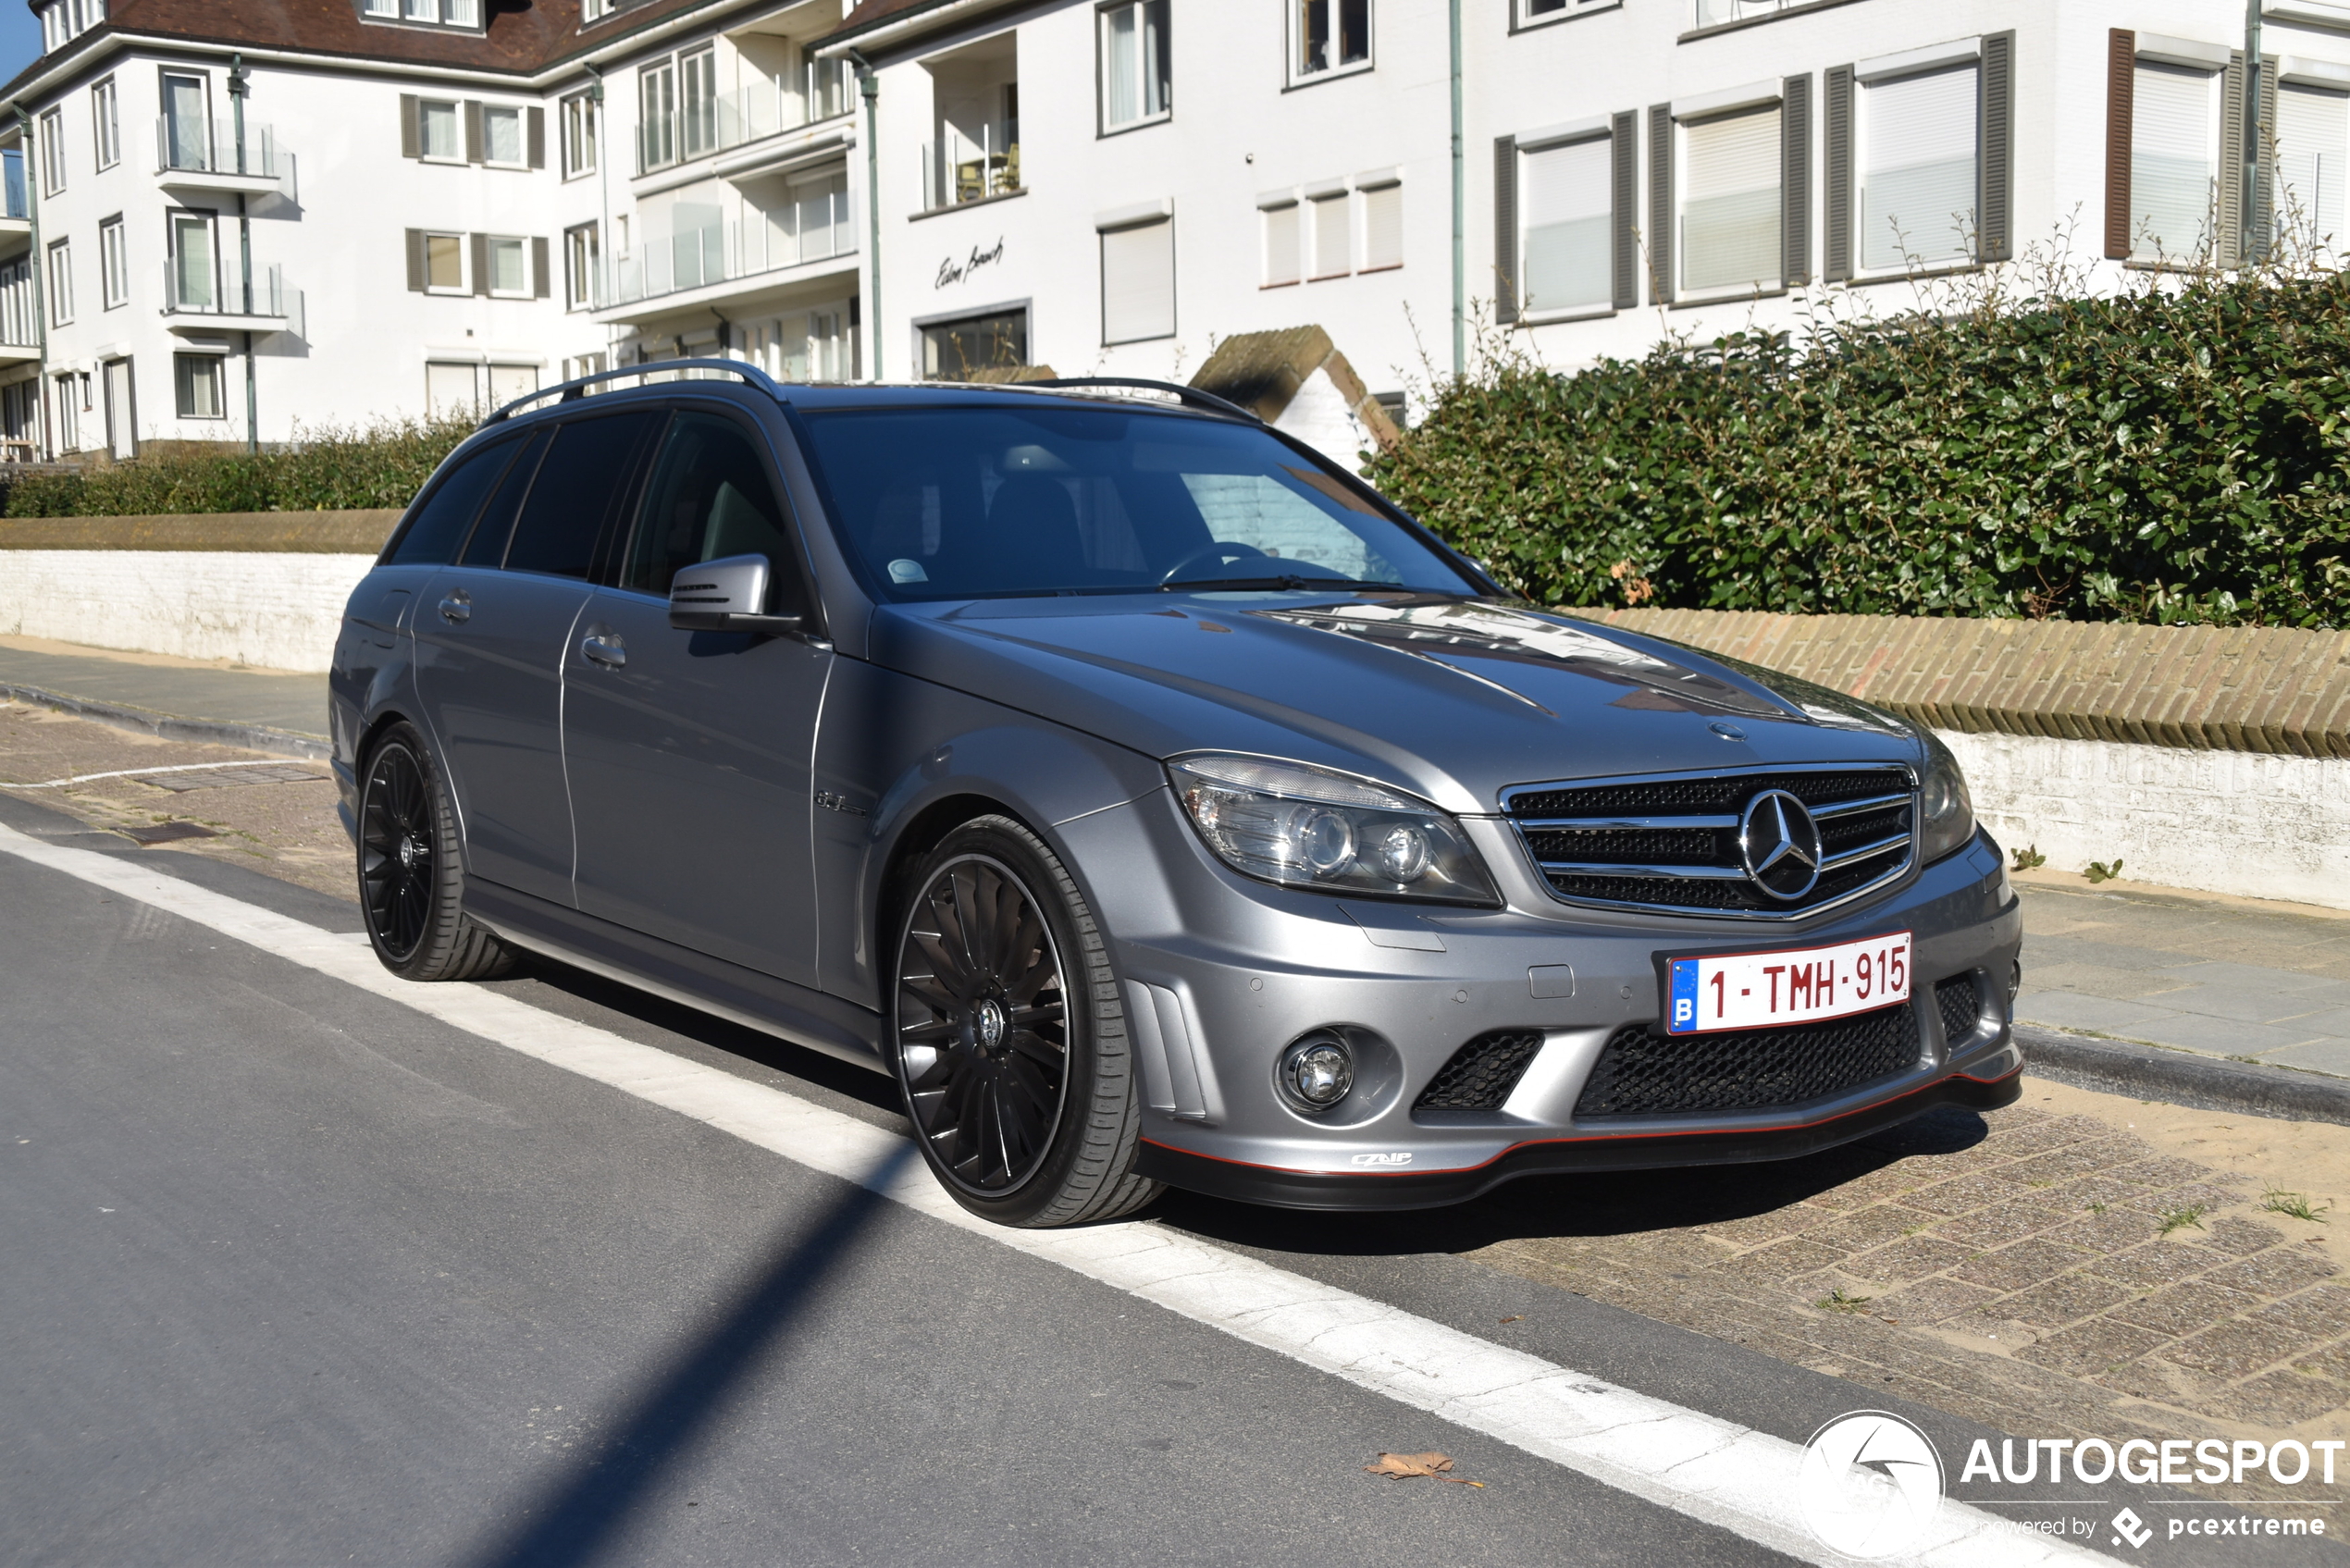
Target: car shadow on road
<point x="579" y="1511"/>
<point x="1592" y="1204"/>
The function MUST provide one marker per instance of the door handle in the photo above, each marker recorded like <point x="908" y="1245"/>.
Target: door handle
<point x="457" y="607"/>
<point x="605" y="649"/>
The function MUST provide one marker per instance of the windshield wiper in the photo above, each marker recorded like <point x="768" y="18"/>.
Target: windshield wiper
<point x="1288" y="582"/>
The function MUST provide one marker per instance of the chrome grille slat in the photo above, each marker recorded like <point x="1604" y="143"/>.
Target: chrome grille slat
<point x="1668" y="844"/>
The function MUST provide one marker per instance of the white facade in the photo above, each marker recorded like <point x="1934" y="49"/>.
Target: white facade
<point x="1104" y="186"/>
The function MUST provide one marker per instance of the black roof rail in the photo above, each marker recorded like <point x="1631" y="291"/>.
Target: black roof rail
<point x="1190" y="395"/>
<point x="571" y="390"/>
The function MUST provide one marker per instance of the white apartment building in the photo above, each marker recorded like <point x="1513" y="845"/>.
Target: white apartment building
<point x="226" y="222"/>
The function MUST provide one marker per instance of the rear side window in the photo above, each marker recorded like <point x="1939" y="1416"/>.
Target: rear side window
<point x="580" y="482"/>
<point x="488" y="547"/>
<point x="709" y="498"/>
<point x="432" y="534"/>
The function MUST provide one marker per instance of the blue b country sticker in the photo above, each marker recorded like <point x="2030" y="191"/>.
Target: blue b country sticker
<point x="1682" y="1019"/>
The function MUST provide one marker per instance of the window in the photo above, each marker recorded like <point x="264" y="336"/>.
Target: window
<point x="2313" y="157"/>
<point x="1333" y="233"/>
<point x="1532" y="11"/>
<point x="451" y="388"/>
<point x="575" y="490"/>
<point x="440" y="131"/>
<point x="438" y="527"/>
<point x="60" y="282"/>
<point x="509" y="262"/>
<point x="1382" y="224"/>
<point x="1567" y="214"/>
<point x="656" y="115"/>
<point x="711" y="498"/>
<point x="436" y="262"/>
<point x="186" y="128"/>
<point x="1915" y="204"/>
<point x="582" y="264"/>
<point x="53" y="151"/>
<point x="814" y="219"/>
<point x="824" y="87"/>
<point x="194" y="274"/>
<point x="698" y="93"/>
<point x="67" y="19"/>
<point x="1730" y="179"/>
<point x="441" y="13"/>
<point x="1331" y="35"/>
<point x="2174" y="160"/>
<point x="1283" y="242"/>
<point x="196" y="390"/>
<point x="69" y="412"/>
<point x="955" y="351"/>
<point x="579" y="130"/>
<point x="1138" y="282"/>
<point x="596" y="10"/>
<point x="508" y="382"/>
<point x="105" y="123"/>
<point x="501" y="138"/>
<point x="1135" y="79"/>
<point x="113" y="263"/>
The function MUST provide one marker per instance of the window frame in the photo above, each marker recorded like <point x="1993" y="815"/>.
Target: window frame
<point x="183" y="361"/>
<point x="1266" y="207"/>
<point x="1103" y="11"/>
<point x="694" y="65"/>
<point x="664" y="72"/>
<point x="105" y="122"/>
<point x="114" y="264"/>
<point x="53" y="151"/>
<point x="175" y="219"/>
<point x="1310" y="233"/>
<point x="1295" y="73"/>
<point x="1106" y="238"/>
<point x="1390" y="184"/>
<point x="582" y="265"/>
<point x="521" y="160"/>
<point x="464" y="285"/>
<point x="2206" y="245"/>
<point x="1534" y="146"/>
<point x="456" y="108"/>
<point x="465" y="16"/>
<point x="579" y="123"/>
<point x="59" y="261"/>
<point x="490" y="244"/>
<point x="1685" y="293"/>
<point x="1522" y="17"/>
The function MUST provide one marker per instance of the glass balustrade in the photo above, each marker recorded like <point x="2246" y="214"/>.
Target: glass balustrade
<point x="190" y="146"/>
<point x="733" y="119"/>
<point x="700" y="246"/>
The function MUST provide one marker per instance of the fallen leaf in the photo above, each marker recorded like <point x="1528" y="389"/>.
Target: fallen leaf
<point x="1519" y="1319"/>
<point x="1403" y="1466"/>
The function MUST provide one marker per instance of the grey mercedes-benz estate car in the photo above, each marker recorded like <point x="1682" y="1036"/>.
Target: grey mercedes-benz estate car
<point x="1150" y="798"/>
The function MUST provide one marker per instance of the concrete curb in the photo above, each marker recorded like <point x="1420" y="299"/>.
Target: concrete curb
<point x="252" y="737"/>
<point x="2182" y="1078"/>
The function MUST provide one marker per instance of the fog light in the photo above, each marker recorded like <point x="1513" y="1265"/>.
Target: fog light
<point x="1316" y="1071"/>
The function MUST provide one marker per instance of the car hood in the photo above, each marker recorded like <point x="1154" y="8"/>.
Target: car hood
<point x="1455" y="699"/>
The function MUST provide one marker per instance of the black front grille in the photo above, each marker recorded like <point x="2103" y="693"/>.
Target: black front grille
<point x="1960" y="1006"/>
<point x="1481" y="1073"/>
<point x="1643" y="1074"/>
<point x="1672" y="841"/>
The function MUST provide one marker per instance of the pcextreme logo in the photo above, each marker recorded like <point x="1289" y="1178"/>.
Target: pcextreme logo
<point x="1869" y="1484"/>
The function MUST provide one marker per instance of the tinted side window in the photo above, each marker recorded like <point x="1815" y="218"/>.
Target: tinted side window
<point x="432" y="534"/>
<point x="710" y="498"/>
<point x="579" y="484"/>
<point x="488" y="547"/>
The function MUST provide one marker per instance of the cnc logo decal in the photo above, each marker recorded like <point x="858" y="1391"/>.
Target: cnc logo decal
<point x="2129" y="1528"/>
<point x="1383" y="1159"/>
<point x="953" y="271"/>
<point x="1780" y="843"/>
<point x="1870" y="1484"/>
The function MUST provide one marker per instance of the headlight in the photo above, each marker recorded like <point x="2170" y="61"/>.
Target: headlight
<point x="1947" y="815"/>
<point x="1303" y="826"/>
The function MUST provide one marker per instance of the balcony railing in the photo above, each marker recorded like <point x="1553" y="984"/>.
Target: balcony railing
<point x="735" y="119"/>
<point x="198" y="146"/>
<point x="191" y="291"/>
<point x="958" y="168"/>
<point x="702" y="248"/>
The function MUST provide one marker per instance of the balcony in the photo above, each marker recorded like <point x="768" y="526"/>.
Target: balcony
<point x="959" y="167"/>
<point x="198" y="154"/>
<point x="736" y="119"/>
<point x="701" y="249"/>
<point x="193" y="303"/>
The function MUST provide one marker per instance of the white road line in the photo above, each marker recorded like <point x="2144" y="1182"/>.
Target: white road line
<point x="1699" y="1466"/>
<point x="141" y="772"/>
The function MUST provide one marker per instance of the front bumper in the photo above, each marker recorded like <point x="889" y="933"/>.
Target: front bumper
<point x="1220" y="974"/>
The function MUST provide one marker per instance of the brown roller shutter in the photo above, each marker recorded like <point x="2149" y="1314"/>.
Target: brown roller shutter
<point x="410" y="146"/>
<point x="1660" y="202"/>
<point x="1506" y="230"/>
<point x="2120" y="86"/>
<point x="1624" y="148"/>
<point x="1835" y="261"/>
<point x="1795" y="180"/>
<point x="1995" y="239"/>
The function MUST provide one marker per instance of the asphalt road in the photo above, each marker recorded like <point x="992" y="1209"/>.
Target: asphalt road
<point x="292" y="1273"/>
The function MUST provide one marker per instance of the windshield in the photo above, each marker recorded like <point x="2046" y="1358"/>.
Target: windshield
<point x="965" y="502"/>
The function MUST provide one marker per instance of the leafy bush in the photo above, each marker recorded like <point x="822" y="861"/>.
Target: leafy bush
<point x="2179" y="453"/>
<point x="331" y="468"/>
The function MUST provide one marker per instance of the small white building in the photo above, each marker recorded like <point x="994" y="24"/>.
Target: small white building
<point x="227" y="221"/>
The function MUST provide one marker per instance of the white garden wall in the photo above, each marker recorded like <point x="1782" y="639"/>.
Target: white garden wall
<point x="280" y="611"/>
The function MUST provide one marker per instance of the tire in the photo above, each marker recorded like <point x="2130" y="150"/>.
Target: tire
<point x="411" y="881"/>
<point x="1009" y="1038"/>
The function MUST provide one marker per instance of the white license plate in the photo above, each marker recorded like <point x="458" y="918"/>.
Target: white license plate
<point x="1800" y="985"/>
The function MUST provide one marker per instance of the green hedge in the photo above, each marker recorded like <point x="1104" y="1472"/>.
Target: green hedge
<point x="330" y="469"/>
<point x="2178" y="453"/>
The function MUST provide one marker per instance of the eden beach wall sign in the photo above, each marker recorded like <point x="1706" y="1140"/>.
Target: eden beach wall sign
<point x="953" y="271"/>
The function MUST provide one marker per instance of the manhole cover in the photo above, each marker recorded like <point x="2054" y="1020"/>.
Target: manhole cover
<point x="221" y="778"/>
<point x="165" y="832"/>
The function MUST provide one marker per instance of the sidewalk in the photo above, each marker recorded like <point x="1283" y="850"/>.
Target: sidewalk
<point x="167" y="687"/>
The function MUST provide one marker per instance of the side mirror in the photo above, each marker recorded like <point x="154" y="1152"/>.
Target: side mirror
<point x="726" y="596"/>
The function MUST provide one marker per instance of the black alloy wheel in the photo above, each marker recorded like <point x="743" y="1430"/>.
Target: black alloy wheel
<point x="410" y="880"/>
<point x="1022" y="1101"/>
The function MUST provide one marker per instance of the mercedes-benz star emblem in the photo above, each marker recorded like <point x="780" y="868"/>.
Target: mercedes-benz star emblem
<point x="1779" y="844"/>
